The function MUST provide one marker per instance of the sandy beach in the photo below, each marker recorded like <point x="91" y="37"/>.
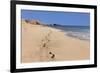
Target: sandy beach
<point x="42" y="43"/>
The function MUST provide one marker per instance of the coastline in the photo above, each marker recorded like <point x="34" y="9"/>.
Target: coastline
<point x="38" y="41"/>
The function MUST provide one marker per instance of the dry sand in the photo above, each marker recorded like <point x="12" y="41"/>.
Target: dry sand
<point x="41" y="43"/>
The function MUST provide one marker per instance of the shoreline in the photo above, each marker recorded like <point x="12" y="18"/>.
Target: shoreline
<point x="73" y="34"/>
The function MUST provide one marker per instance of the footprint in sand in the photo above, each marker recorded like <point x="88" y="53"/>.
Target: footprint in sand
<point x="52" y="55"/>
<point x="44" y="47"/>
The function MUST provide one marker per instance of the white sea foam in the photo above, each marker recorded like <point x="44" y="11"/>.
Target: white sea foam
<point x="80" y="32"/>
<point x="79" y="35"/>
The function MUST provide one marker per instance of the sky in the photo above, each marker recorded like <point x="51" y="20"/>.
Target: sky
<point x="62" y="18"/>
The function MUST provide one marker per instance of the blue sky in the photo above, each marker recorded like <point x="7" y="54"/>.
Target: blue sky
<point x="62" y="18"/>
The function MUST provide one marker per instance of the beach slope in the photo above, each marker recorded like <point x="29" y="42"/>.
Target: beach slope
<point x="42" y="43"/>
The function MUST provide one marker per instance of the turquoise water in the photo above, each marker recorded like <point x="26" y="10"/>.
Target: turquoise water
<point x="80" y="32"/>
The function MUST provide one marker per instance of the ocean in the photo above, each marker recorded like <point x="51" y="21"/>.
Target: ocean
<point x="80" y="32"/>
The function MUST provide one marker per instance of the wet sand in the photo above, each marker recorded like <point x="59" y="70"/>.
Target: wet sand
<point x="42" y="43"/>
